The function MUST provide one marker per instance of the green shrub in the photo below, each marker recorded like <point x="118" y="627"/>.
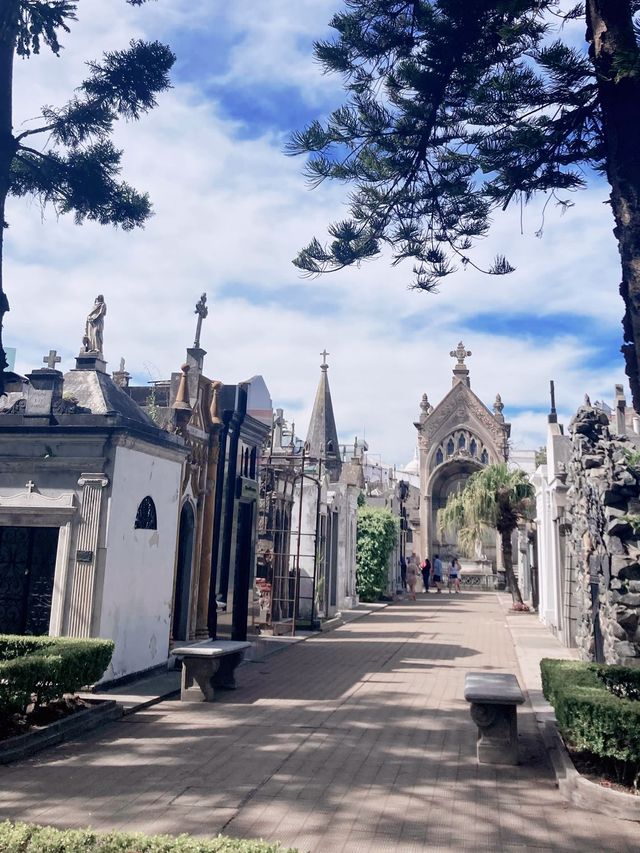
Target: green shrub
<point x="48" y="668"/>
<point x="376" y="538"/>
<point x="621" y="681"/>
<point x="591" y="718"/>
<point x="16" y="645"/>
<point x="26" y="838"/>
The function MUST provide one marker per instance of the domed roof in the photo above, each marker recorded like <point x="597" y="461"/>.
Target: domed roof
<point x="413" y="467"/>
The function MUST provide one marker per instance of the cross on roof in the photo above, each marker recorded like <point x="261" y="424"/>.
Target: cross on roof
<point x="460" y="353"/>
<point x="202" y="311"/>
<point x="324" y="355"/>
<point x="30" y="486"/>
<point x="52" y="359"/>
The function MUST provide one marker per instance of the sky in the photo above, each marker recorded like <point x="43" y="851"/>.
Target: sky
<point x="231" y="211"/>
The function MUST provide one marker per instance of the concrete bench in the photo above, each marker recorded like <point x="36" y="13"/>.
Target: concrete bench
<point x="208" y="665"/>
<point x="493" y="698"/>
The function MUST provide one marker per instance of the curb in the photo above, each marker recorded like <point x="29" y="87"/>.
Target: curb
<point x="582" y="791"/>
<point x="348" y="616"/>
<point x="22" y="746"/>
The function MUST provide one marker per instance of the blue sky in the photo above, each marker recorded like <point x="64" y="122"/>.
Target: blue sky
<point x="231" y="211"/>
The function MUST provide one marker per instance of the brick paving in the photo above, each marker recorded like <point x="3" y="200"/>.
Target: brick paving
<point x="357" y="740"/>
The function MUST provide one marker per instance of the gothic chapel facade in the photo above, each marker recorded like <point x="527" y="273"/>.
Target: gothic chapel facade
<point x="456" y="438"/>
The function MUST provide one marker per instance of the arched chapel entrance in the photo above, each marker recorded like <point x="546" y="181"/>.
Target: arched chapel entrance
<point x="449" y="479"/>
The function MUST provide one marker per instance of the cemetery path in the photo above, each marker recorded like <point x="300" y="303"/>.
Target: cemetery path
<point x="357" y="740"/>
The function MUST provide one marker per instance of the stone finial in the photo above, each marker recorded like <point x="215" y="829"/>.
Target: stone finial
<point x="324" y="366"/>
<point x="121" y="377"/>
<point x="425" y="405"/>
<point x="181" y="403"/>
<point x="498" y="408"/>
<point x="460" y="353"/>
<point x="214" y="414"/>
<point x="202" y="311"/>
<point x="460" y="370"/>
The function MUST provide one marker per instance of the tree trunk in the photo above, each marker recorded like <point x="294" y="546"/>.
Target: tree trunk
<point x="507" y="562"/>
<point x="9" y="10"/>
<point x="616" y="59"/>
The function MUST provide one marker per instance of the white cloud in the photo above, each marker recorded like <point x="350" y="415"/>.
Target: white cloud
<point x="234" y="211"/>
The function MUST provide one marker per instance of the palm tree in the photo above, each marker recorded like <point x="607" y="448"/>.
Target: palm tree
<point x="494" y="497"/>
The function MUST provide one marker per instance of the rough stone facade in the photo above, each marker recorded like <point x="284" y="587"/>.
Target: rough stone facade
<point x="602" y="540"/>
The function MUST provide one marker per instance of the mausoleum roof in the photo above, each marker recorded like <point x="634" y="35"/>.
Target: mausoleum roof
<point x="98" y="393"/>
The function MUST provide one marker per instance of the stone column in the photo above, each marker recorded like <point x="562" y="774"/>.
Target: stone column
<point x="81" y="587"/>
<point x="206" y="549"/>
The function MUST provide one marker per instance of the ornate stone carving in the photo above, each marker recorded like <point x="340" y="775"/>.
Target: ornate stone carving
<point x="462" y="407"/>
<point x="460" y="352"/>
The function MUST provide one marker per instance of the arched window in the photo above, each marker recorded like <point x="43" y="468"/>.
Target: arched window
<point x="484" y="458"/>
<point x="253" y="463"/>
<point x="439" y="457"/>
<point x="462" y="442"/>
<point x="473" y="447"/>
<point x="146" y="518"/>
<point x="450" y="447"/>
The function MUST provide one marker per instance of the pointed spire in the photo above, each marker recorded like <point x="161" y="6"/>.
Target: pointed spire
<point x="322" y="437"/>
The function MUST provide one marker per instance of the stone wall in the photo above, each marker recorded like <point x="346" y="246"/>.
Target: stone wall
<point x="602" y="501"/>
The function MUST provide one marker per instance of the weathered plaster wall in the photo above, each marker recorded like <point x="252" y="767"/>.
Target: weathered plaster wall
<point x="603" y="494"/>
<point x="138" y="579"/>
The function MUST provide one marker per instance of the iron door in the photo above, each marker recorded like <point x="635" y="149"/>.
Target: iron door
<point x="27" y="568"/>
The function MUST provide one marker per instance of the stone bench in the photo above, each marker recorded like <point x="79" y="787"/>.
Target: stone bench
<point x="208" y="665"/>
<point x="493" y="698"/>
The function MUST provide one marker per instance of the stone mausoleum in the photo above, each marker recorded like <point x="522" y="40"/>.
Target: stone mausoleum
<point x="89" y="490"/>
<point x="456" y="438"/>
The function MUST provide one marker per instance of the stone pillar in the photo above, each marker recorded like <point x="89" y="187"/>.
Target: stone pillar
<point x="206" y="549"/>
<point x="81" y="587"/>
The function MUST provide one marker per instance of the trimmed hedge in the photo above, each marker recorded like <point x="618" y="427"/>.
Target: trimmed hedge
<point x="37" y="670"/>
<point x="621" y="681"/>
<point x="27" y="838"/>
<point x="591" y="718"/>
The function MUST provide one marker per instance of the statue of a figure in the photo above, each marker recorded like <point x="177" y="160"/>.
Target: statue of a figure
<point x="94" y="327"/>
<point x="479" y="555"/>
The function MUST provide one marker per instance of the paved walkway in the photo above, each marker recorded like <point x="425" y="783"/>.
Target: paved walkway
<point x="357" y="740"/>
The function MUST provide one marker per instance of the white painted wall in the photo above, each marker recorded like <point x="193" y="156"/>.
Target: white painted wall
<point x="139" y="566"/>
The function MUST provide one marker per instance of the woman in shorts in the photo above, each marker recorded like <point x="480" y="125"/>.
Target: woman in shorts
<point x="454" y="575"/>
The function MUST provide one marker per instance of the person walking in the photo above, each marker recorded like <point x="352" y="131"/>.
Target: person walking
<point x="412" y="575"/>
<point x="454" y="575"/>
<point x="425" y="568"/>
<point x="437" y="572"/>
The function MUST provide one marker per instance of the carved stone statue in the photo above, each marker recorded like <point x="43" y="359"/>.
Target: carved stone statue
<point x="94" y="327"/>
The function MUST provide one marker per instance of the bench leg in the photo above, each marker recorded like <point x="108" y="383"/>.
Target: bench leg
<point x="497" y="733"/>
<point x="198" y="679"/>
<point x="225" y="677"/>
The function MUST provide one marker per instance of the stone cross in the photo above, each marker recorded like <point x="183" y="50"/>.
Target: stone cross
<point x="52" y="359"/>
<point x="202" y="311"/>
<point x="460" y="353"/>
<point x="30" y="486"/>
<point x="324" y="355"/>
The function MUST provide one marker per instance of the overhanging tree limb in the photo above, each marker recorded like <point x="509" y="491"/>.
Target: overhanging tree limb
<point x="456" y="110"/>
<point x="76" y="168"/>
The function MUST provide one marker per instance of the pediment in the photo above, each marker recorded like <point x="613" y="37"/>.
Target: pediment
<point x="461" y="407"/>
